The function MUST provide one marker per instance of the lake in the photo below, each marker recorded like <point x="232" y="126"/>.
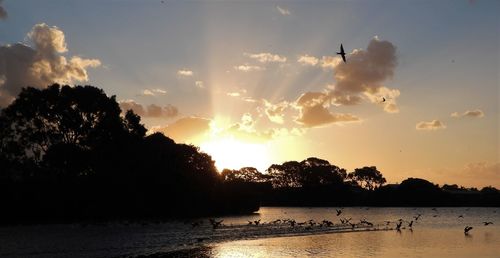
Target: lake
<point x="438" y="232"/>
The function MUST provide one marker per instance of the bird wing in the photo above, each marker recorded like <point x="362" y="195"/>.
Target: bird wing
<point x="343" y="57"/>
<point x="341" y="49"/>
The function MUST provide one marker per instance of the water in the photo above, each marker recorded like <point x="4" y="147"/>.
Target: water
<point x="437" y="233"/>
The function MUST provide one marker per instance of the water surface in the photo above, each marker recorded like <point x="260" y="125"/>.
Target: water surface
<point x="438" y="232"/>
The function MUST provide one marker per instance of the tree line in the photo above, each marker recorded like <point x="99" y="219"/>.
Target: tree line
<point x="70" y="153"/>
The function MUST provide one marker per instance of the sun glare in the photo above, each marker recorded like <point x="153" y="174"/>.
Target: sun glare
<point x="232" y="153"/>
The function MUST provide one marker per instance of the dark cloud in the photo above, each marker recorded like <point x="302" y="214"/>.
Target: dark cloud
<point x="313" y="110"/>
<point x="40" y="65"/>
<point x="365" y="72"/>
<point x="3" y="12"/>
<point x="151" y="110"/>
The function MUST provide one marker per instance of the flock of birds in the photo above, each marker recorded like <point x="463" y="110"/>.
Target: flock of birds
<point x="344" y="221"/>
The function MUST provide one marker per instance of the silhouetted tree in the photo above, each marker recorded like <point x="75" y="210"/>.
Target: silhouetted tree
<point x="41" y="118"/>
<point x="316" y="172"/>
<point x="245" y="174"/>
<point x="285" y="175"/>
<point x="367" y="177"/>
<point x="310" y="172"/>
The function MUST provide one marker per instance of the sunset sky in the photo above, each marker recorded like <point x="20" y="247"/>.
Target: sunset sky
<point x="257" y="82"/>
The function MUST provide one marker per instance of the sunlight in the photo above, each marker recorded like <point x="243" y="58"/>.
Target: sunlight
<point x="232" y="153"/>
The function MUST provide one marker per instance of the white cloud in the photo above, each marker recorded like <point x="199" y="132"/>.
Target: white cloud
<point x="153" y="92"/>
<point x="40" y="65"/>
<point x="275" y="113"/>
<point x="199" y="84"/>
<point x="430" y="126"/>
<point x="248" y="68"/>
<point x="233" y="94"/>
<point x="330" y="62"/>
<point x="308" y="60"/>
<point x="185" y="72"/>
<point x="267" y="57"/>
<point x="283" y="10"/>
<point x="469" y="113"/>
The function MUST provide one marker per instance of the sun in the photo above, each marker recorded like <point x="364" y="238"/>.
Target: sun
<point x="229" y="152"/>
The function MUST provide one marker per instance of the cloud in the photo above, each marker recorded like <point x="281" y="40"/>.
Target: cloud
<point x="469" y="113"/>
<point x="313" y="110"/>
<point x="365" y="72"/>
<point x="483" y="169"/>
<point x="308" y="60"/>
<point x="233" y="94"/>
<point x="330" y="62"/>
<point x="40" y="65"/>
<point x="432" y="125"/>
<point x="199" y="84"/>
<point x="153" y="92"/>
<point x="248" y="68"/>
<point x="3" y="12"/>
<point x="275" y="113"/>
<point x="185" y="129"/>
<point x="282" y="10"/>
<point x="267" y="57"/>
<point x="151" y="110"/>
<point x="361" y="77"/>
<point x="185" y="72"/>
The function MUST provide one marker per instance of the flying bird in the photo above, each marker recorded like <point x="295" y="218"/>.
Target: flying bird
<point x="467" y="229"/>
<point x="342" y="53"/>
<point x="339" y="212"/>
<point x="398" y="226"/>
<point x="383" y="99"/>
<point x="486" y="223"/>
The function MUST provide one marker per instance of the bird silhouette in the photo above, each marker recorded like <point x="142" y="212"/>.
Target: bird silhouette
<point x="410" y="224"/>
<point x="215" y="224"/>
<point x="339" y="212"/>
<point x="417" y="217"/>
<point x="467" y="229"/>
<point x="383" y="99"/>
<point x="460" y="216"/>
<point x="398" y="226"/>
<point x="486" y="223"/>
<point x="342" y="53"/>
<point x="364" y="221"/>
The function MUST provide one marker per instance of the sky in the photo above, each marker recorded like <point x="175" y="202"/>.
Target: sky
<point x="255" y="83"/>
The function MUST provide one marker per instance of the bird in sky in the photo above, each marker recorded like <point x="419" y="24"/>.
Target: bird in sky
<point x="342" y="53"/>
<point x="339" y="212"/>
<point x="467" y="229"/>
<point x="486" y="223"/>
